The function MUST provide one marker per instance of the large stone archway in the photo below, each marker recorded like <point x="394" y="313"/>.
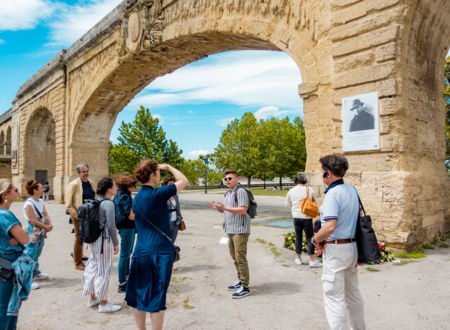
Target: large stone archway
<point x="342" y="48"/>
<point x="40" y="145"/>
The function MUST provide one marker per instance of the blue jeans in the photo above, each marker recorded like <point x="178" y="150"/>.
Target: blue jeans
<point x="6" y="322"/>
<point x="34" y="250"/>
<point x="127" y="236"/>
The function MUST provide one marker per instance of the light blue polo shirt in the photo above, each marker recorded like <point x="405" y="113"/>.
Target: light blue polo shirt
<point x="341" y="203"/>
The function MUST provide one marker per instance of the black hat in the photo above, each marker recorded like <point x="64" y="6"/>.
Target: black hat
<point x="356" y="103"/>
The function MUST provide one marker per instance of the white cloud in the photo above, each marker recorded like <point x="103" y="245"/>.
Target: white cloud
<point x="23" y="14"/>
<point x="190" y="112"/>
<point x="196" y="153"/>
<point x="72" y="21"/>
<point x="245" y="78"/>
<point x="269" y="111"/>
<point x="224" y="122"/>
<point x="2" y="41"/>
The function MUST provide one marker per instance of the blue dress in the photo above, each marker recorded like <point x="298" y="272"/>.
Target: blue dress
<point x="151" y="265"/>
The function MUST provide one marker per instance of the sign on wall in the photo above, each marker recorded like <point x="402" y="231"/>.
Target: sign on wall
<point x="360" y="126"/>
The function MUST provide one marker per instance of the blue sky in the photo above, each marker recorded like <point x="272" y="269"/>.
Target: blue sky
<point x="194" y="103"/>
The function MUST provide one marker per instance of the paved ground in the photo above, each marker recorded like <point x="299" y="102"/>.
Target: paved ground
<point x="284" y="295"/>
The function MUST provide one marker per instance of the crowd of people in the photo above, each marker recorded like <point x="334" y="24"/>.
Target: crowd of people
<point x="148" y="226"/>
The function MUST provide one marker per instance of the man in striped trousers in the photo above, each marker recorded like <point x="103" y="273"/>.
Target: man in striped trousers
<point x="237" y="226"/>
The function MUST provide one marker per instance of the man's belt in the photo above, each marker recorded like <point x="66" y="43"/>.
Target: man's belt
<point x="341" y="241"/>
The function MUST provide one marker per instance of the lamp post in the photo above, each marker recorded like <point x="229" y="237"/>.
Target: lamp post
<point x="206" y="174"/>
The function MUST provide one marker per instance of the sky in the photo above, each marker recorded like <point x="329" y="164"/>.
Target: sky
<point x="194" y="103"/>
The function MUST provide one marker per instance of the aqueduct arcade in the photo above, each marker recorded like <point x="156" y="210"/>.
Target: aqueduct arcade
<point x="64" y="113"/>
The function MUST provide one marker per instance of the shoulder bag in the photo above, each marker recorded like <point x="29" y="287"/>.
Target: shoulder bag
<point x="309" y="207"/>
<point x="176" y="249"/>
<point x="366" y="239"/>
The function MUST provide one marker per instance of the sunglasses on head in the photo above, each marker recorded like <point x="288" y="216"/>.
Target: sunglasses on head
<point x="228" y="178"/>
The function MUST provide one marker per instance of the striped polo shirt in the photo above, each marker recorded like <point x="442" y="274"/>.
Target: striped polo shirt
<point x="236" y="223"/>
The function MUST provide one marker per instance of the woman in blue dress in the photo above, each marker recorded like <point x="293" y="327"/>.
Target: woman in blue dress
<point x="152" y="261"/>
<point x="12" y="239"/>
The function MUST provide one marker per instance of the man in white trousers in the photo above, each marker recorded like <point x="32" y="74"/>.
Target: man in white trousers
<point x="338" y="214"/>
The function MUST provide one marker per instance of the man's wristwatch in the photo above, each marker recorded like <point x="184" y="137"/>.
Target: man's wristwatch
<point x="313" y="240"/>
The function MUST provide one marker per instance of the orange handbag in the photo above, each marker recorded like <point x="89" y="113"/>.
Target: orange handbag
<point x="309" y="207"/>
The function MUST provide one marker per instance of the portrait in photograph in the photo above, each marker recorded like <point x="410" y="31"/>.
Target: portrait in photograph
<point x="360" y="122"/>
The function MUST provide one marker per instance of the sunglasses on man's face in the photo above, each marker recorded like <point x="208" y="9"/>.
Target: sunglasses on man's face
<point x="228" y="178"/>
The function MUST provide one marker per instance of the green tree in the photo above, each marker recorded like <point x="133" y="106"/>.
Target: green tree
<point x="193" y="170"/>
<point x="238" y="147"/>
<point x="447" y="108"/>
<point x="286" y="146"/>
<point x="141" y="139"/>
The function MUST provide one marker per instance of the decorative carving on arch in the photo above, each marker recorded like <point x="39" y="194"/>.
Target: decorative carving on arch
<point x="142" y="24"/>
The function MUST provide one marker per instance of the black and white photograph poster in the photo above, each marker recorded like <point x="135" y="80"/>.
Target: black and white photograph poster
<point x="360" y="130"/>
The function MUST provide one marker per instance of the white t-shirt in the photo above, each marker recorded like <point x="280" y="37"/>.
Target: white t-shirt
<point x="39" y="205"/>
<point x="173" y="215"/>
<point x="293" y="198"/>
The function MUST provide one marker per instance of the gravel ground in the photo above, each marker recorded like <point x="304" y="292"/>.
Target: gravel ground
<point x="284" y="295"/>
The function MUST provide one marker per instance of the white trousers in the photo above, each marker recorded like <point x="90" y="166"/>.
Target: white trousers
<point x="98" y="268"/>
<point x="342" y="299"/>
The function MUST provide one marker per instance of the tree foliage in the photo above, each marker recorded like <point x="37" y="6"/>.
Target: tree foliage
<point x="143" y="138"/>
<point x="238" y="147"/>
<point x="267" y="149"/>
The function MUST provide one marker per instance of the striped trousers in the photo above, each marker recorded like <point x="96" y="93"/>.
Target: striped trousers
<point x="98" y="269"/>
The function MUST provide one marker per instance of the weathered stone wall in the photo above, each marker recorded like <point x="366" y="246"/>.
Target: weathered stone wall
<point x="342" y="47"/>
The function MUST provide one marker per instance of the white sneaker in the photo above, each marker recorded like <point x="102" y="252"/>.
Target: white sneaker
<point x="34" y="286"/>
<point x="315" y="264"/>
<point x="93" y="303"/>
<point x="40" y="277"/>
<point x="109" y="308"/>
<point x="298" y="261"/>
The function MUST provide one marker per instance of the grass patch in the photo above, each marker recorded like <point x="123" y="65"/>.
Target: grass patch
<point x="263" y="192"/>
<point x="428" y="246"/>
<point x="285" y="265"/>
<point x="443" y="245"/>
<point x="186" y="304"/>
<point x="274" y="251"/>
<point x="403" y="262"/>
<point x="272" y="246"/>
<point x="409" y="255"/>
<point x="371" y="269"/>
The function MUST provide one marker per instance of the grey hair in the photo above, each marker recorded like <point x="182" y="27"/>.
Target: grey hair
<point x="300" y="178"/>
<point x="80" y="166"/>
<point x="5" y="187"/>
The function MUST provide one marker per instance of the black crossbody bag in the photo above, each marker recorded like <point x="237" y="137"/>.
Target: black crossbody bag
<point x="176" y="249"/>
<point x="6" y="267"/>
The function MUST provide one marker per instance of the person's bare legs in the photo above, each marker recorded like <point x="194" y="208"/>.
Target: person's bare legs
<point x="140" y="316"/>
<point x="157" y="320"/>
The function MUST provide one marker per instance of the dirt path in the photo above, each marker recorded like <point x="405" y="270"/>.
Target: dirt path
<point x="284" y="295"/>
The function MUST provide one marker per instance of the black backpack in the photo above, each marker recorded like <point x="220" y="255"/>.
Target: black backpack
<point x="252" y="205"/>
<point x="89" y="225"/>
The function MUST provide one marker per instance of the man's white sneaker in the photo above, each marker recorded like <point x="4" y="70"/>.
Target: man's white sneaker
<point x="34" y="286"/>
<point x="109" y="308"/>
<point x="40" y="277"/>
<point x="93" y="303"/>
<point x="315" y="264"/>
<point x="298" y="261"/>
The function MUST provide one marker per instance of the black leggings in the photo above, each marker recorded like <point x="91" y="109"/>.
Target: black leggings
<point x="307" y="226"/>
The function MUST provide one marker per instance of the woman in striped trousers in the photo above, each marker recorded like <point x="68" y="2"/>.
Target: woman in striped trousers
<point x="98" y="268"/>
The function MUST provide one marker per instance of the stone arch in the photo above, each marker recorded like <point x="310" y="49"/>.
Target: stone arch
<point x="40" y="147"/>
<point x="422" y="120"/>
<point x="8" y="141"/>
<point x="190" y="34"/>
<point x="2" y="143"/>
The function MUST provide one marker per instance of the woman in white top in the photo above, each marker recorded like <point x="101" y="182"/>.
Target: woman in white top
<point x="301" y="220"/>
<point x="39" y="224"/>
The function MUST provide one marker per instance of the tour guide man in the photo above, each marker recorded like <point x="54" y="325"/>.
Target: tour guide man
<point x="77" y="192"/>
<point x="237" y="226"/>
<point x="338" y="216"/>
